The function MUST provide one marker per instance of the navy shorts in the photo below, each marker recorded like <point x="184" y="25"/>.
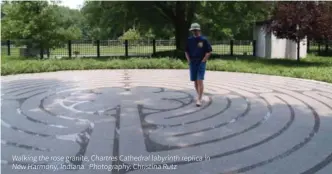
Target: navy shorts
<point x="197" y="70"/>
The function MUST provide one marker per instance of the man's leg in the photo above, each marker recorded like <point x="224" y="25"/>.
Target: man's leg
<point x="199" y="92"/>
<point x="200" y="79"/>
<point x="200" y="89"/>
<point x="196" y="87"/>
<point x="193" y="67"/>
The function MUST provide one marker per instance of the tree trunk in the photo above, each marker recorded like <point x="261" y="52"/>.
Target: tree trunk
<point x="298" y="50"/>
<point x="181" y="25"/>
<point x="181" y="35"/>
<point x="32" y="49"/>
<point x="180" y="17"/>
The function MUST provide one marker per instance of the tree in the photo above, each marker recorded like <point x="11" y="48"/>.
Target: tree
<point x="130" y="35"/>
<point x="179" y="15"/>
<point x="5" y="8"/>
<point x="299" y="19"/>
<point x="321" y="24"/>
<point x="230" y="20"/>
<point x="37" y="24"/>
<point x="70" y="18"/>
<point x="108" y="19"/>
<point x="220" y="20"/>
<point x="105" y="16"/>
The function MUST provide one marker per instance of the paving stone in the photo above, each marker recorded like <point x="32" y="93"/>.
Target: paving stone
<point x="146" y="121"/>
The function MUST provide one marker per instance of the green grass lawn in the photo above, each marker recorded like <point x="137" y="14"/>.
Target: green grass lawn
<point x="312" y="67"/>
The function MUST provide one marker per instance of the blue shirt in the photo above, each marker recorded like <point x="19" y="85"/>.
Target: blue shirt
<point x="197" y="47"/>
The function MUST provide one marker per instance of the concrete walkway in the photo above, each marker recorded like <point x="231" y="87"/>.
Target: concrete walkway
<point x="146" y="121"/>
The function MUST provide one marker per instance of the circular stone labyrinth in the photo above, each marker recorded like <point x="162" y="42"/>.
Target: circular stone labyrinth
<point x="147" y="121"/>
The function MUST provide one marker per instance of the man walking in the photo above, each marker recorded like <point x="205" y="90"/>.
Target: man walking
<point x="198" y="50"/>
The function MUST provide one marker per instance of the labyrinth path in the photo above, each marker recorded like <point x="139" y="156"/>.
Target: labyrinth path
<point x="249" y="123"/>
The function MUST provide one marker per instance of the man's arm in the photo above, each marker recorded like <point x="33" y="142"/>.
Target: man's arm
<point x="187" y="53"/>
<point x="207" y="55"/>
<point x="187" y="56"/>
<point x="208" y="51"/>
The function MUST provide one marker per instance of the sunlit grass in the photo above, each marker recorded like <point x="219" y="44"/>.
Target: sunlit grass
<point x="313" y="67"/>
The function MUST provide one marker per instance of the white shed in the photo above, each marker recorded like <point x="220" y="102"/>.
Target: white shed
<point x="269" y="46"/>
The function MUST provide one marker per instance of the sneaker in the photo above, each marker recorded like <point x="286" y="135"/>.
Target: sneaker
<point x="205" y="98"/>
<point x="198" y="103"/>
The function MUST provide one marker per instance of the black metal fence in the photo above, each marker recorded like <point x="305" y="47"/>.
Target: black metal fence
<point x="143" y="48"/>
<point x="117" y="48"/>
<point x="320" y="47"/>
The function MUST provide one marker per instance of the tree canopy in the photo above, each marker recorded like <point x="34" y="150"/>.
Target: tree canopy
<point x="302" y="19"/>
<point x="221" y="20"/>
<point x="39" y="23"/>
<point x="48" y="24"/>
<point x="299" y="19"/>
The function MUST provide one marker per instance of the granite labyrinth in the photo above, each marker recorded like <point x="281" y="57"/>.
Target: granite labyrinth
<point x="146" y="121"/>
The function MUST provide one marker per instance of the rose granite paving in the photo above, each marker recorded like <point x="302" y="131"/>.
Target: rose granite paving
<point x="146" y="121"/>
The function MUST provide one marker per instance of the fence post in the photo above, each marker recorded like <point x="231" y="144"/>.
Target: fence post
<point x="326" y="46"/>
<point x="298" y="54"/>
<point x="254" y="48"/>
<point x="69" y="48"/>
<point x="318" y="47"/>
<point x="308" y="46"/>
<point x="41" y="52"/>
<point x="48" y="52"/>
<point x="232" y="42"/>
<point x="126" y="48"/>
<point x="98" y="48"/>
<point x="154" y="46"/>
<point x="8" y="47"/>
